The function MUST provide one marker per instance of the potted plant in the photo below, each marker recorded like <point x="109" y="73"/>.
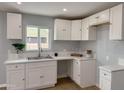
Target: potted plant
<point x="19" y="47"/>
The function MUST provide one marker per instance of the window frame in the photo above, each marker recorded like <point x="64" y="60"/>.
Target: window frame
<point x="39" y="27"/>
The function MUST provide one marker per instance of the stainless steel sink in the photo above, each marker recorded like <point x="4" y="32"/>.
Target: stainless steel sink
<point x="41" y="57"/>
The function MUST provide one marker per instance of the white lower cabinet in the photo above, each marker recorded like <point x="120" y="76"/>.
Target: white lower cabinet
<point x="76" y="71"/>
<point x="84" y="72"/>
<point x="15" y="76"/>
<point x="16" y="79"/>
<point x="111" y="80"/>
<point x="41" y="74"/>
<point x="105" y="80"/>
<point x="35" y="75"/>
<point x="33" y="78"/>
<point x="39" y="77"/>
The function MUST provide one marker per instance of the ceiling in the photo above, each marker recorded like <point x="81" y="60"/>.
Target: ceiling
<point x="54" y="9"/>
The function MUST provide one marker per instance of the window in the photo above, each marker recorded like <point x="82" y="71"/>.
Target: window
<point x="37" y="37"/>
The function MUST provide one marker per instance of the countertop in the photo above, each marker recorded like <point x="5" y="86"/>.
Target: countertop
<point x="54" y="59"/>
<point x="112" y="68"/>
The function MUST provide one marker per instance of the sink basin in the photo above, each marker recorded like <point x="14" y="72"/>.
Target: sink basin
<point x="42" y="57"/>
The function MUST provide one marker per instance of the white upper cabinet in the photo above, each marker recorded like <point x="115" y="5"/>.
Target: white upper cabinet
<point x="62" y="29"/>
<point x="117" y="22"/>
<point x="99" y="18"/>
<point x="76" y="30"/>
<point x="88" y="32"/>
<point x="103" y="17"/>
<point x="14" y="26"/>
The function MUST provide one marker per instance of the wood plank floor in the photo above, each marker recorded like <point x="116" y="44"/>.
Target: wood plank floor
<point x="68" y="84"/>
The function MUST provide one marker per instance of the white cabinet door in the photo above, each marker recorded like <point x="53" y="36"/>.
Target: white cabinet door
<point x="93" y="20"/>
<point x="85" y="29"/>
<point x="99" y="18"/>
<point x="40" y="74"/>
<point x="76" y="30"/>
<point x="116" y="23"/>
<point x="33" y="78"/>
<point x="15" y="79"/>
<point x="76" y="71"/>
<point x="105" y="84"/>
<point x="88" y="32"/>
<point x="49" y="75"/>
<point x="67" y="31"/>
<point x="14" y="26"/>
<point x="103" y="17"/>
<point x="88" y="73"/>
<point x="62" y="29"/>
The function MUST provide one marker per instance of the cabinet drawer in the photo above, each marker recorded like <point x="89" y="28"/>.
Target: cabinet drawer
<point x="40" y="64"/>
<point x="105" y="74"/>
<point x="15" y="66"/>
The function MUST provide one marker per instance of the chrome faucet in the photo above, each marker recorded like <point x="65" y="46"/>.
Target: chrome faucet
<point x="39" y="51"/>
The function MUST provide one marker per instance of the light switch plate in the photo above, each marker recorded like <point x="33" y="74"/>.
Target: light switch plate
<point x="107" y="58"/>
<point x="121" y="61"/>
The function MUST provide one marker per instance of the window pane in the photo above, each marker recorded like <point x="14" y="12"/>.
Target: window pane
<point x="44" y="36"/>
<point x="32" y="38"/>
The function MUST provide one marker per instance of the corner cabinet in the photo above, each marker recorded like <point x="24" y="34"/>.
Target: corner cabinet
<point x="62" y="29"/>
<point x="88" y="32"/>
<point x="14" y="26"/>
<point x="84" y="72"/>
<point x="117" y="23"/>
<point x="76" y="30"/>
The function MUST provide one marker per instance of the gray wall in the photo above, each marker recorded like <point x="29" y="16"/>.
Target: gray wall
<point x="5" y="44"/>
<point x="104" y="47"/>
<point x="48" y="22"/>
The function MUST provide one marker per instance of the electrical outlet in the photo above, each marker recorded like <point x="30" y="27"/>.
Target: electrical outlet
<point x="107" y="58"/>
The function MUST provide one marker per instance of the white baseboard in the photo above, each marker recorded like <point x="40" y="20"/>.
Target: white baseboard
<point x="3" y="85"/>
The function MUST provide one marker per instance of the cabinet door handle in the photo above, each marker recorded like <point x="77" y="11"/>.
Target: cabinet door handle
<point x="41" y="76"/>
<point x="97" y="17"/>
<point x="16" y="66"/>
<point x="64" y="30"/>
<point x="105" y="74"/>
<point x="20" y="26"/>
<point x="110" y="23"/>
<point x="23" y="79"/>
